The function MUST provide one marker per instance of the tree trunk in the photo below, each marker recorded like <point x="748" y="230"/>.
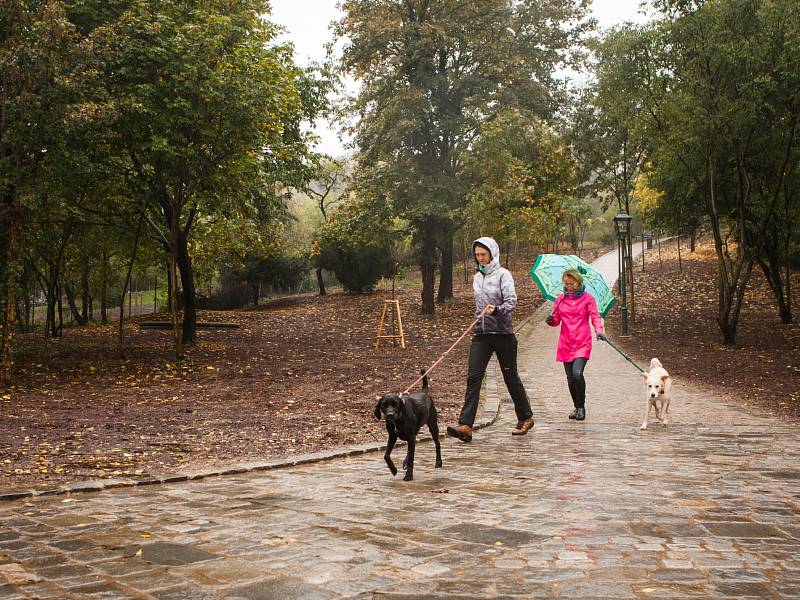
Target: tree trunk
<point x="467" y="257"/>
<point x="59" y="293"/>
<point x="775" y="282"/>
<point x="770" y="262"/>
<point x="189" y="292"/>
<point x="428" y="269"/>
<point x="126" y="284"/>
<point x="320" y="283"/>
<point x="86" y="298"/>
<point x="104" y="288"/>
<point x="787" y="221"/>
<point x="734" y="271"/>
<point x="9" y="286"/>
<point x="255" y="293"/>
<point x="173" y="279"/>
<point x="51" y="312"/>
<point x="446" y="273"/>
<point x="73" y="307"/>
<point x="630" y="278"/>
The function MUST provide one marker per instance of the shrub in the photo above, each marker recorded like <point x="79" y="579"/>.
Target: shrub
<point x="358" y="268"/>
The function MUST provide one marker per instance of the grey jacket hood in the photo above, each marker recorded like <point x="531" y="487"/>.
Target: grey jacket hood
<point x="494" y="250"/>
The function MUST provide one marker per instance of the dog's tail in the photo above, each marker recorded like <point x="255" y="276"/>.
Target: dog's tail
<point x="654" y="363"/>
<point x="424" y="380"/>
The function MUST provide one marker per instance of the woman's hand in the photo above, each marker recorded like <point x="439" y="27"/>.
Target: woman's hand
<point x="489" y="309"/>
<point x="601" y="337"/>
<point x="549" y="320"/>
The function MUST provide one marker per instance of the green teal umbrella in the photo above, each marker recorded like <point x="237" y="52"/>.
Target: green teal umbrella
<point x="549" y="268"/>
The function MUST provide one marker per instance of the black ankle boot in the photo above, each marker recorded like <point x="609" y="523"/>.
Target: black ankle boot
<point x="573" y="414"/>
<point x="580" y="413"/>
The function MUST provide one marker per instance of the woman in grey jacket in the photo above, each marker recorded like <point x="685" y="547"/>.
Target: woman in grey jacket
<point x="495" y="298"/>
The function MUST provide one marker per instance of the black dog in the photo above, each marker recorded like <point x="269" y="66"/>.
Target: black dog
<point x="405" y="415"/>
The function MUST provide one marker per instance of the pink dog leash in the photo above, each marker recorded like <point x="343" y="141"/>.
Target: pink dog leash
<point x="421" y="377"/>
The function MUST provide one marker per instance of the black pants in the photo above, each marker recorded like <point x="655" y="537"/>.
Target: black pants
<point x="505" y="345"/>
<point x="575" y="380"/>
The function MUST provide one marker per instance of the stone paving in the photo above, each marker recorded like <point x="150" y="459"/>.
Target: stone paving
<point x="706" y="507"/>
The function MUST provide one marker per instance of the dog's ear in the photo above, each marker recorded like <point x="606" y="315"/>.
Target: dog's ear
<point x="401" y="408"/>
<point x="645" y="375"/>
<point x="664" y="378"/>
<point x="378" y="409"/>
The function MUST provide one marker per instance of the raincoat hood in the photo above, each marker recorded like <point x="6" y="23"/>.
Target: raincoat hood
<point x="494" y="250"/>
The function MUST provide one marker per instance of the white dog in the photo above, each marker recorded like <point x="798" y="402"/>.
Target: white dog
<point x="659" y="387"/>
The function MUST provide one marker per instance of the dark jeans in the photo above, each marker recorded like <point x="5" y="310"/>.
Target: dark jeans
<point x="575" y="380"/>
<point x="505" y="346"/>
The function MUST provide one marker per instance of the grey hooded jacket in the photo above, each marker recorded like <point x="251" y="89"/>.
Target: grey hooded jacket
<point x="495" y="286"/>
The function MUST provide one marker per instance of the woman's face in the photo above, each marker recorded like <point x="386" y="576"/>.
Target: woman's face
<point x="570" y="284"/>
<point x="482" y="255"/>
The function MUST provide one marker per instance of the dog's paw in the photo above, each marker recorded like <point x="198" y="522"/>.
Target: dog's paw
<point x="644" y="426"/>
<point x="408" y="477"/>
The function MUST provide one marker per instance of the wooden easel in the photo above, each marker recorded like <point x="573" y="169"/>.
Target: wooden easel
<point x="387" y="306"/>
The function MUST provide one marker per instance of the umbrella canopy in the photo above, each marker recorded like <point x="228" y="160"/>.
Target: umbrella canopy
<point x="549" y="268"/>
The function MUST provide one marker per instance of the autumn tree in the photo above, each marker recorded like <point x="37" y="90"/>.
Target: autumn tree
<point x="326" y="188"/>
<point x="356" y="242"/>
<point x="205" y="110"/>
<point x="36" y="43"/>
<point x="718" y="90"/>
<point x="432" y="72"/>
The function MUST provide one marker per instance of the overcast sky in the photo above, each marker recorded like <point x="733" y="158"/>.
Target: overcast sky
<point x="306" y="23"/>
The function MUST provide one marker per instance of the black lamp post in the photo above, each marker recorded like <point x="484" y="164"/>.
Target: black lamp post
<point x="622" y="225"/>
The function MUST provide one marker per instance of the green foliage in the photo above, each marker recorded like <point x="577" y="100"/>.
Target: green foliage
<point x="709" y="93"/>
<point x="199" y="112"/>
<point x="281" y="273"/>
<point x="179" y="112"/>
<point x="608" y="132"/>
<point x="524" y="176"/>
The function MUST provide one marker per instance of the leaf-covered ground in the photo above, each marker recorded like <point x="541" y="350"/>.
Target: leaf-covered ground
<point x="302" y="375"/>
<point x="676" y="312"/>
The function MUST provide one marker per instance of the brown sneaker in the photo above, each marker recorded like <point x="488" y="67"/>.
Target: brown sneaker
<point x="462" y="432"/>
<point x="523" y="427"/>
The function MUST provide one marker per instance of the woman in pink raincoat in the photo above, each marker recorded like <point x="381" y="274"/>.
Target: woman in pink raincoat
<point x="573" y="310"/>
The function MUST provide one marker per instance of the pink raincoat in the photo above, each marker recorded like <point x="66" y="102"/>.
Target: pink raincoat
<point x="573" y="312"/>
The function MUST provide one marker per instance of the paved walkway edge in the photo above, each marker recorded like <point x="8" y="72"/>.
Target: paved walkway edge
<point x="489" y="416"/>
